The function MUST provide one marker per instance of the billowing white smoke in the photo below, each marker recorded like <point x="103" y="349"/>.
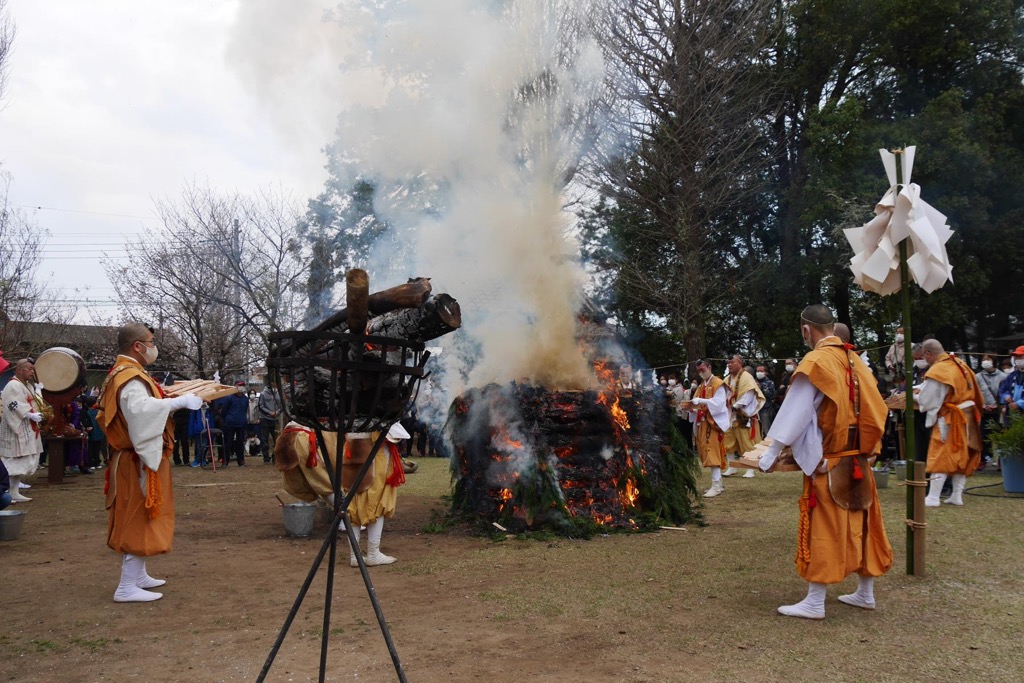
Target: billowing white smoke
<point x="470" y="116"/>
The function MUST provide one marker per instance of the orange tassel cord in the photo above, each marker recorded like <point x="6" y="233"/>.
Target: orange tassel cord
<point x="803" y="534"/>
<point x="154" y="496"/>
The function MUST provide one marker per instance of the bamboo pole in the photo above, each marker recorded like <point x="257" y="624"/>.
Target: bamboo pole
<point x="915" y="510"/>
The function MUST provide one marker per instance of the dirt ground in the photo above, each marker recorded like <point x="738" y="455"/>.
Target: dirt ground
<point x="694" y="605"/>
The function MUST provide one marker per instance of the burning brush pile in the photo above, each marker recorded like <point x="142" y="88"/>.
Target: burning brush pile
<point x="575" y="462"/>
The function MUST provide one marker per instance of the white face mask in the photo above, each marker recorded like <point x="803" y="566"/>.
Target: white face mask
<point x="671" y="382"/>
<point x="693" y="385"/>
<point x="663" y="382"/>
<point x="790" y="368"/>
<point x="1018" y="363"/>
<point x="705" y="375"/>
<point x="760" y="375"/>
<point x="150" y="354"/>
<point x="899" y="338"/>
<point x="920" y="364"/>
<point x="986" y="365"/>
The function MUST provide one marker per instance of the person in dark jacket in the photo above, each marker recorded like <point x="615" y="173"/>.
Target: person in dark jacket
<point x="234" y="413"/>
<point x="181" y="420"/>
<point x="5" y="486"/>
<point x="97" y="445"/>
<point x="1011" y="389"/>
<point x="269" y="406"/>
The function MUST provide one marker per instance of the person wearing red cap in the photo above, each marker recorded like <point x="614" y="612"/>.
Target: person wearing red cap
<point x="1011" y="391"/>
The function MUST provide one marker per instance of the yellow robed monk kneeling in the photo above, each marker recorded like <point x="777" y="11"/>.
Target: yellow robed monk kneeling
<point x="833" y="418"/>
<point x="305" y="476"/>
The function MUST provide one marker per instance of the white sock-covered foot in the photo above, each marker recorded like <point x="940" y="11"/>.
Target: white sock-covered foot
<point x="128" y="589"/>
<point x="957" y="497"/>
<point x="749" y="474"/>
<point x="135" y="594"/>
<point x="716" y="489"/>
<point x="15" y="492"/>
<point x="811" y="607"/>
<point x="374" y="557"/>
<point x="934" y="489"/>
<point x="729" y="472"/>
<point x="864" y="596"/>
<point x="148" y="581"/>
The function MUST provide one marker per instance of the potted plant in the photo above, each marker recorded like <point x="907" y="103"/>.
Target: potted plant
<point x="1008" y="443"/>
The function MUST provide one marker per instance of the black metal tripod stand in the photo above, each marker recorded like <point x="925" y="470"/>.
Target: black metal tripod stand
<point x="342" y="383"/>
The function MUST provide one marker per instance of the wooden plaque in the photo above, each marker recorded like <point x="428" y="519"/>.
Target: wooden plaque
<point x="206" y="389"/>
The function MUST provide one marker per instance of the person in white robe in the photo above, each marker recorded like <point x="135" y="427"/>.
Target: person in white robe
<point x="20" y="440"/>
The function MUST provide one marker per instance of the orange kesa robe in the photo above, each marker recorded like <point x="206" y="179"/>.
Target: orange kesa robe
<point x="835" y="542"/>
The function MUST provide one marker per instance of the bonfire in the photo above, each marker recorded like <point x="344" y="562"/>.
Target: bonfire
<point x="576" y="462"/>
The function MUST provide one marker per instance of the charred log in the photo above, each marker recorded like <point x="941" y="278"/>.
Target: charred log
<point x="412" y="294"/>
<point x="438" y="316"/>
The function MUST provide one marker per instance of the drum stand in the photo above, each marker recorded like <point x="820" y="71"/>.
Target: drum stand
<point x="55" y="444"/>
<point x="325" y="390"/>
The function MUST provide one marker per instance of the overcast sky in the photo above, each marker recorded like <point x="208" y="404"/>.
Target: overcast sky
<point x="114" y="103"/>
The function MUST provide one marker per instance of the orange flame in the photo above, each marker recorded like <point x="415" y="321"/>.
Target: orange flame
<point x="506" y="496"/>
<point x="619" y="414"/>
<point x="502" y="438"/>
<point x="630" y="494"/>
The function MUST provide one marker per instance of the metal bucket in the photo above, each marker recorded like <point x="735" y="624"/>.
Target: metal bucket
<point x="882" y="479"/>
<point x="901" y="470"/>
<point x="298" y="519"/>
<point x="10" y="524"/>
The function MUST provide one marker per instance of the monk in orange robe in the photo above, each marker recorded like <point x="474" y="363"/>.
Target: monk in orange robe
<point x="710" y="412"/>
<point x="833" y="418"/>
<point x="139" y="499"/>
<point x="952" y="401"/>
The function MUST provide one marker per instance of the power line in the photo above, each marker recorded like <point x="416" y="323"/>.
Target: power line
<point x="94" y="213"/>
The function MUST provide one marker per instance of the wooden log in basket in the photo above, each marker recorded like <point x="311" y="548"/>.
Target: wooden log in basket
<point x="206" y="389"/>
<point x="412" y="294"/>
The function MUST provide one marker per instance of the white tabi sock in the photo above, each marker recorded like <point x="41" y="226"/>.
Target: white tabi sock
<point x="934" y="489"/>
<point x="716" y="475"/>
<point x="374" y="556"/>
<point x="128" y="589"/>
<point x="864" y="596"/>
<point x="148" y="581"/>
<point x="811" y="607"/>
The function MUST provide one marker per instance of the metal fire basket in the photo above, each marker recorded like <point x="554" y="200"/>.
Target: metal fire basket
<point x="342" y="383"/>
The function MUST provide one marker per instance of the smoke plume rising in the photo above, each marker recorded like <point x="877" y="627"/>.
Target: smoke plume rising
<point x="471" y="117"/>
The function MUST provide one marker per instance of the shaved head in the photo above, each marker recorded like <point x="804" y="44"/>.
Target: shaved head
<point x="817" y="314"/>
<point x="843" y="332"/>
<point x="933" y="346"/>
<point x="131" y="333"/>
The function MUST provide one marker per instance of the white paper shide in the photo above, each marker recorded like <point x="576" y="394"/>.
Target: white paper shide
<point x="901" y="214"/>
